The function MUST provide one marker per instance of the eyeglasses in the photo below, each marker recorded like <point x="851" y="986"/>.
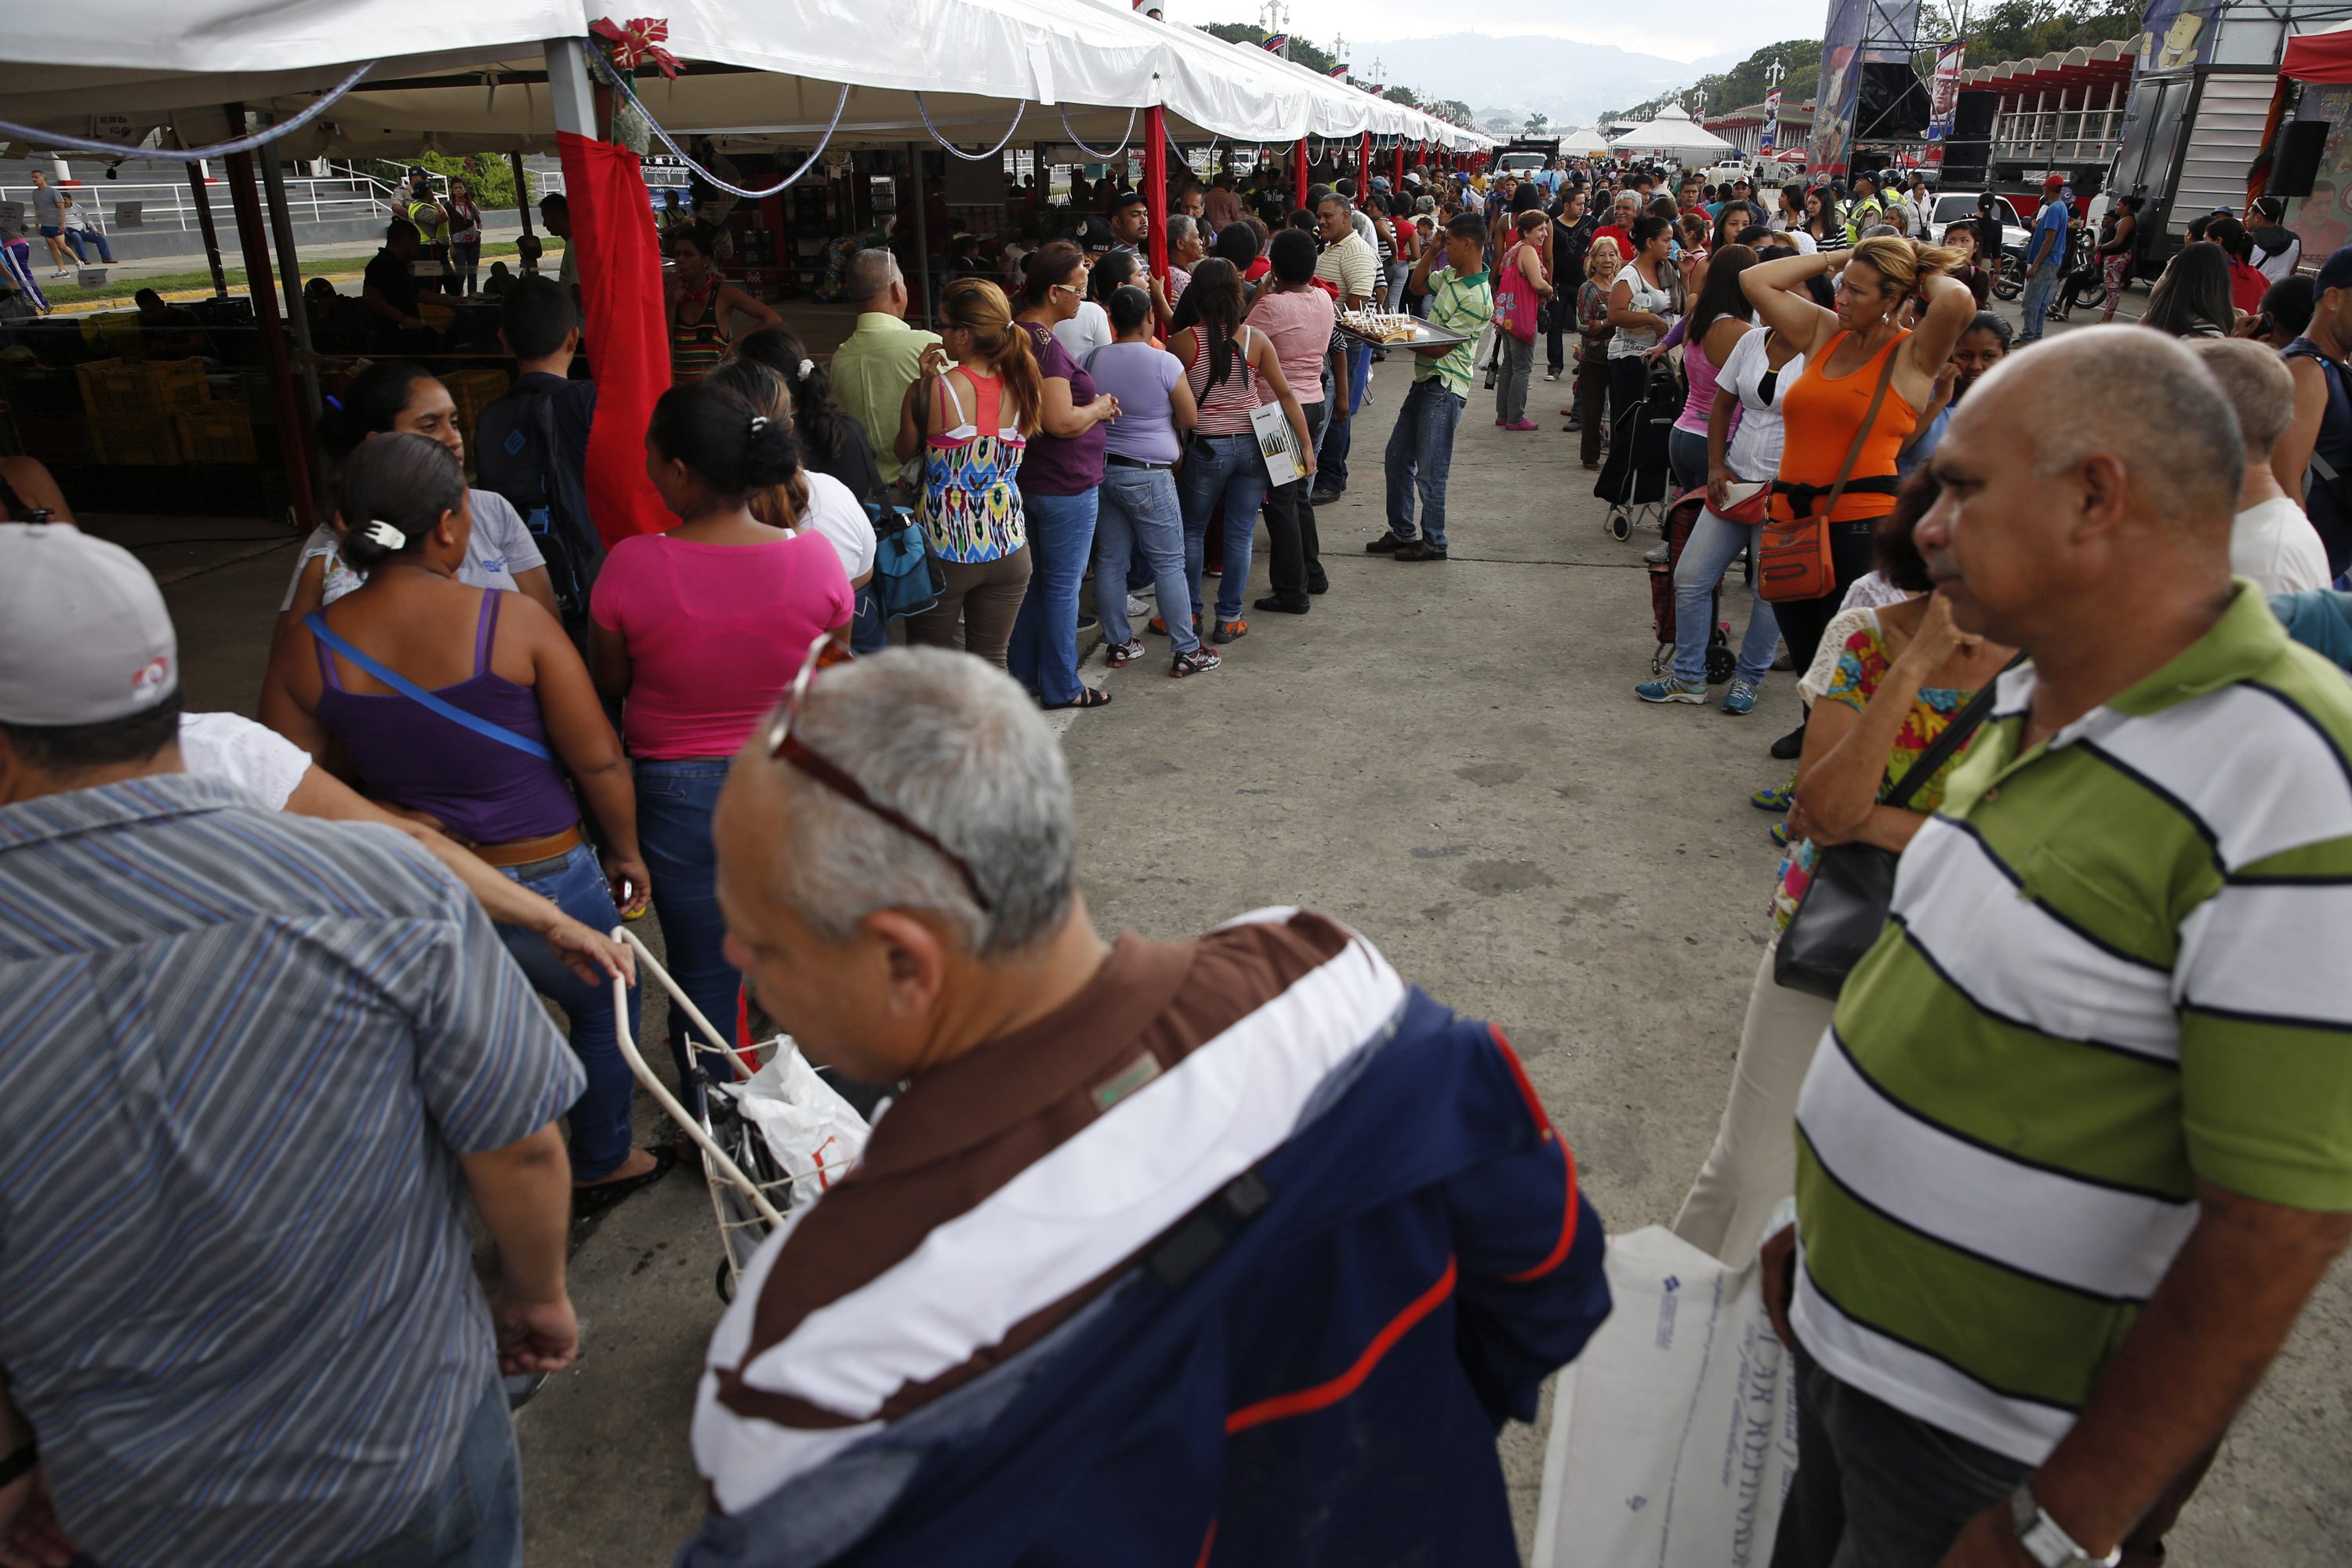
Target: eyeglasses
<point x="785" y="746"/>
<point x="1067" y="288"/>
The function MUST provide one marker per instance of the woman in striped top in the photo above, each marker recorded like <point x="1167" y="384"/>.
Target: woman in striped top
<point x="701" y="304"/>
<point x="1225" y="364"/>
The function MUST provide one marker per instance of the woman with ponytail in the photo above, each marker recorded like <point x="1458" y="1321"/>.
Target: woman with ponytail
<point x="832" y="441"/>
<point x="466" y="707"/>
<point x="971" y="426"/>
<point x="696" y="632"/>
<point x="398" y="396"/>
<point x="813" y="499"/>
<point x="1061" y="484"/>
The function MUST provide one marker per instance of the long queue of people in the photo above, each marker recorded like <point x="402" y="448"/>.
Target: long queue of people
<point x="890" y="854"/>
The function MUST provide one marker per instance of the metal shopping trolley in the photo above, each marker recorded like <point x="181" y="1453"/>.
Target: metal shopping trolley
<point x="756" y="1176"/>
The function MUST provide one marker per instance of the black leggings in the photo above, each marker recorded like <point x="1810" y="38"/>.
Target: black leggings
<point x="1802" y="621"/>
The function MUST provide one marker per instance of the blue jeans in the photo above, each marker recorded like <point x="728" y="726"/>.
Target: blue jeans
<point x="472" y="1518"/>
<point x="74" y="239"/>
<point x="869" y="629"/>
<point x="1331" y="457"/>
<point x="1228" y="468"/>
<point x="1043" y="655"/>
<point x="1712" y="547"/>
<point x="674" y="800"/>
<point x="1877" y="1487"/>
<point x="2038" y="288"/>
<point x="1141" y="517"/>
<point x="1420" y="457"/>
<point x="1686" y="458"/>
<point x="600" y="1119"/>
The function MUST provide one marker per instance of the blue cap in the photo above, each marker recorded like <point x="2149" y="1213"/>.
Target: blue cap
<point x="2336" y="272"/>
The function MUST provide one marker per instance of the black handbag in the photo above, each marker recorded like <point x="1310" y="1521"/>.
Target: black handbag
<point x="1845" y="905"/>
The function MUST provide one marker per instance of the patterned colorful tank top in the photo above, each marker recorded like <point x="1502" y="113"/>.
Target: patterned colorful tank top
<point x="971" y="494"/>
<point x="696" y="348"/>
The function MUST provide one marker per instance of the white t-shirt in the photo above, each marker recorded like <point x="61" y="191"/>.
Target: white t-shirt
<point x="501" y="549"/>
<point x="1631" y="341"/>
<point x="236" y="751"/>
<point x="1086" y="331"/>
<point x="837" y="514"/>
<point x="2275" y="545"/>
<point x="1754" y="449"/>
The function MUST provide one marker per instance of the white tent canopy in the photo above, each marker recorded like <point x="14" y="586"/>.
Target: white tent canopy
<point x="1583" y="141"/>
<point x="754" y="68"/>
<point x="1672" y="134"/>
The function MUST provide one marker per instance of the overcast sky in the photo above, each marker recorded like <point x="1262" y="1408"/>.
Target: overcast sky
<point x="1688" y="31"/>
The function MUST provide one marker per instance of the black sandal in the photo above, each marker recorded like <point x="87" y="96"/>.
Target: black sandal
<point x="1087" y="697"/>
<point x="594" y="1199"/>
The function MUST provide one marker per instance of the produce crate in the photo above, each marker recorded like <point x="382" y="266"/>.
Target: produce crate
<point x="36" y="391"/>
<point x="135" y="440"/>
<point x="113" y="390"/>
<point x="54" y="439"/>
<point x="216" y="433"/>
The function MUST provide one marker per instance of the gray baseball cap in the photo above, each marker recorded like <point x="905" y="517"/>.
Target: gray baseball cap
<point x="84" y="635"/>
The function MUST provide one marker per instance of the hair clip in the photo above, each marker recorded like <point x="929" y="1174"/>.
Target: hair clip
<point x="383" y="535"/>
<point x="807" y="368"/>
<point x="759" y="422"/>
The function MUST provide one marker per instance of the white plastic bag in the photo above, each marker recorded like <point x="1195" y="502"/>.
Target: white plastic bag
<point x="1673" y="1437"/>
<point x="1483" y="356"/>
<point x="815" y="1135"/>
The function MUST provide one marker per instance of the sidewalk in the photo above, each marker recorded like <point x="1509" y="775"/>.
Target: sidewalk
<point x="341" y="264"/>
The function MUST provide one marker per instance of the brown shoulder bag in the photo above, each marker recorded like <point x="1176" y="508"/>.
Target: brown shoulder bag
<point x="1793" y="562"/>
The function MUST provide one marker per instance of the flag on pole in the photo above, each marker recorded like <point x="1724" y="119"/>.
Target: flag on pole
<point x="1276" y="41"/>
<point x="1339" y="71"/>
<point x="1770" y="138"/>
<point x="1377" y="89"/>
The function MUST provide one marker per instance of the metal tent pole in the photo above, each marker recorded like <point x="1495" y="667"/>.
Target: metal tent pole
<point x="203" y="201"/>
<point x="244" y="200"/>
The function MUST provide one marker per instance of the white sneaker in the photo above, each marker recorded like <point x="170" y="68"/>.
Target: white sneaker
<point x="1136" y="606"/>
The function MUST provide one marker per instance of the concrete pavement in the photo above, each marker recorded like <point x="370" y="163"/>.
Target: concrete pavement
<point x="1448" y="757"/>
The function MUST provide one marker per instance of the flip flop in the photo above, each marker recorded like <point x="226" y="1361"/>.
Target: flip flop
<point x="597" y="1199"/>
<point x="1089" y="697"/>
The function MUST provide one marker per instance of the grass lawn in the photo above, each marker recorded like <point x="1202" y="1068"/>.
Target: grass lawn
<point x="64" y="293"/>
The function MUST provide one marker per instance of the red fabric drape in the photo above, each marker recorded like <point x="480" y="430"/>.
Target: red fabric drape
<point x="2319" y="56"/>
<point x="628" y="347"/>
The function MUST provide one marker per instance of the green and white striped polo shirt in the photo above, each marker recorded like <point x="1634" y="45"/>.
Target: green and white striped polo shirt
<point x="2116" y="965"/>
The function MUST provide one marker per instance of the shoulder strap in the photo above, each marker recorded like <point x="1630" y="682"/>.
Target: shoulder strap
<point x="1955" y="734"/>
<point x="423" y="699"/>
<point x="1869" y="420"/>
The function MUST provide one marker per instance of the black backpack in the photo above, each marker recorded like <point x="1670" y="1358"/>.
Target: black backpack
<point x="517" y="454"/>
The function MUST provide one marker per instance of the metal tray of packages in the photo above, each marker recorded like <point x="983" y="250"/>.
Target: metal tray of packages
<point x="1424" y="334"/>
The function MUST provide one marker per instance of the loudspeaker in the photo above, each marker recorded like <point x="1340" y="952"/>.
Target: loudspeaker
<point x="1968" y="151"/>
<point x="2297" y="163"/>
<point x="1894" y="102"/>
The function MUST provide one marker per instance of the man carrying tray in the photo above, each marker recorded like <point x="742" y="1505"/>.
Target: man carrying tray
<point x="1421" y="447"/>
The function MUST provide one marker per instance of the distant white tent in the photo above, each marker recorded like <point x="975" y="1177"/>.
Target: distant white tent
<point x="1672" y="134"/>
<point x="1583" y="141"/>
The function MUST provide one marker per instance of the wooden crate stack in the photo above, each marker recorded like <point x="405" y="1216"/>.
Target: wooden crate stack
<point x="472" y="391"/>
<point x="219" y="432"/>
<point x="132" y="408"/>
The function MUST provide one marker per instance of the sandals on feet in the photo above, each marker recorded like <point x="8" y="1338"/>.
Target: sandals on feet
<point x="1087" y="697"/>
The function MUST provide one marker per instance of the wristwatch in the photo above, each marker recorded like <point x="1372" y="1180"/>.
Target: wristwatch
<point x="2044" y="1541"/>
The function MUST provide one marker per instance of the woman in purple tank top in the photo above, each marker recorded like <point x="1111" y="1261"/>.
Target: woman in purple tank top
<point x="466" y="708"/>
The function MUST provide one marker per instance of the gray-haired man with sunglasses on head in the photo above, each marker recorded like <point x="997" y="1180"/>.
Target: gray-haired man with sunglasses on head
<point x="1140" y="1205"/>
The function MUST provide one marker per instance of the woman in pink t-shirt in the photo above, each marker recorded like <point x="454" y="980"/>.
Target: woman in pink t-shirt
<point x="697" y="632"/>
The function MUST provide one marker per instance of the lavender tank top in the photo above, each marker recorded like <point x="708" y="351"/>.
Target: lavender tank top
<point x="419" y="760"/>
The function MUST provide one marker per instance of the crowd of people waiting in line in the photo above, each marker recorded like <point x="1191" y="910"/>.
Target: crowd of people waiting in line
<point x="2020" y="591"/>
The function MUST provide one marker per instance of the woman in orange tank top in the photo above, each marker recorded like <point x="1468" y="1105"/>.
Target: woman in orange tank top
<point x="1847" y="351"/>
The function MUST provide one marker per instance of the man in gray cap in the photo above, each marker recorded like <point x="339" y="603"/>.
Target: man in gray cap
<point x="251" y="1065"/>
